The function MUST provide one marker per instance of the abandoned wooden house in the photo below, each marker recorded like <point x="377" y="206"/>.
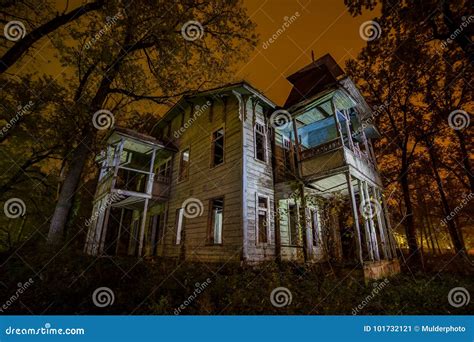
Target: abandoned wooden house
<point x="227" y="176"/>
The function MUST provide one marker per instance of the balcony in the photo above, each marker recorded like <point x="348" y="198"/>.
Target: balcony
<point x="332" y="137"/>
<point x="128" y="166"/>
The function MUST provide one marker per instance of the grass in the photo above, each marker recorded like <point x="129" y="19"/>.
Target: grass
<point x="65" y="284"/>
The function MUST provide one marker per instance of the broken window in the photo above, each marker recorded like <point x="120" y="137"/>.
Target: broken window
<point x="184" y="165"/>
<point x="154" y="228"/>
<point x="260" y="142"/>
<point x="217" y="148"/>
<point x="216" y="220"/>
<point x="262" y="219"/>
<point x="293" y="226"/>
<point x="164" y="170"/>
<point x="315" y="226"/>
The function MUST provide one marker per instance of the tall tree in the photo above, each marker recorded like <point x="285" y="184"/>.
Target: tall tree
<point x="154" y="51"/>
<point x="36" y="13"/>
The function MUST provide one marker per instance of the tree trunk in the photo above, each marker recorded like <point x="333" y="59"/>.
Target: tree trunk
<point x="414" y="252"/>
<point x="465" y="158"/>
<point x="453" y="230"/>
<point x="71" y="182"/>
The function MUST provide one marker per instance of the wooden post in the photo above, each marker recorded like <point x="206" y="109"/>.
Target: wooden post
<point x="371" y="224"/>
<point x="118" y="154"/>
<point x="367" y="234"/>
<point x="119" y="231"/>
<point x="104" y="227"/>
<point x="356" y="217"/>
<point x="142" y="229"/>
<point x="380" y="225"/>
<point x="151" y="176"/>
<point x="393" y="244"/>
<point x="303" y="222"/>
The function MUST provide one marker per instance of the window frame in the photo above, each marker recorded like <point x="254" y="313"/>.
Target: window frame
<point x="166" y="164"/>
<point x="179" y="225"/>
<point x="213" y="140"/>
<point x="297" y="223"/>
<point x="257" y="219"/>
<point x="265" y="144"/>
<point x="210" y="230"/>
<point x="180" y="179"/>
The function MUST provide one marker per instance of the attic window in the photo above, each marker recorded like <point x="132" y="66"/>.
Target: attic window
<point x="260" y="142"/>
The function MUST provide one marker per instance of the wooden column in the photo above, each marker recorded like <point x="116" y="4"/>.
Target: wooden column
<point x="367" y="234"/>
<point x="356" y="217"/>
<point x="393" y="243"/>
<point x="303" y="222"/>
<point x="380" y="225"/>
<point x="142" y="229"/>
<point x="119" y="231"/>
<point x="371" y="223"/>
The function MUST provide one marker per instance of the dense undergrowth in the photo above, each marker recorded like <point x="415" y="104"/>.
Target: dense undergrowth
<point x="64" y="284"/>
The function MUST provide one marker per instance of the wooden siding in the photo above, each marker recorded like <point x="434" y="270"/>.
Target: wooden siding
<point x="258" y="181"/>
<point x="205" y="183"/>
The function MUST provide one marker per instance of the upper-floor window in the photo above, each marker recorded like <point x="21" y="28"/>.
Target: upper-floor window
<point x="216" y="213"/>
<point x="262" y="219"/>
<point x="164" y="170"/>
<point x="217" y="147"/>
<point x="260" y="142"/>
<point x="184" y="165"/>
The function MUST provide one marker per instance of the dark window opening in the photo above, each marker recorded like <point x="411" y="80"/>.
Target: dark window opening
<point x="218" y="147"/>
<point x="216" y="220"/>
<point x="184" y="165"/>
<point x="262" y="220"/>
<point x="260" y="142"/>
<point x="293" y="216"/>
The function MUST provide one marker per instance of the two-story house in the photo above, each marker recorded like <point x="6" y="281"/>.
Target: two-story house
<point x="227" y="176"/>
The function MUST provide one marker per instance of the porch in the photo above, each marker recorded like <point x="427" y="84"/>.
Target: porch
<point x="134" y="176"/>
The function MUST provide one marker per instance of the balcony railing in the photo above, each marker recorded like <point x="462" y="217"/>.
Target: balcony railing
<point x="161" y="187"/>
<point x="320" y="149"/>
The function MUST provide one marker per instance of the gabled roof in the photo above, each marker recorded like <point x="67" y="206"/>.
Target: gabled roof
<point x="242" y="87"/>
